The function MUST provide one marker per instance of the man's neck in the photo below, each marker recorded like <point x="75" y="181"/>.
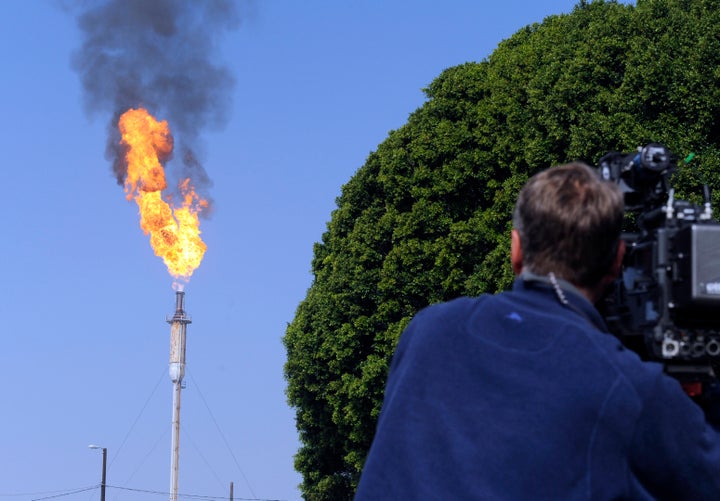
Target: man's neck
<point x="591" y="295"/>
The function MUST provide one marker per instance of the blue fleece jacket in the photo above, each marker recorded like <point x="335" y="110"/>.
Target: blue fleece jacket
<point x="518" y="396"/>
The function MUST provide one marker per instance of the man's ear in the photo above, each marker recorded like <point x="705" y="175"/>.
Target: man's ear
<point x="612" y="273"/>
<point x="617" y="264"/>
<point x="516" y="257"/>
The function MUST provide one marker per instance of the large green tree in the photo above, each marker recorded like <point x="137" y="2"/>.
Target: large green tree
<point x="427" y="217"/>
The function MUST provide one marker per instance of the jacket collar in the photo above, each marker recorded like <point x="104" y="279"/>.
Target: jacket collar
<point x="565" y="293"/>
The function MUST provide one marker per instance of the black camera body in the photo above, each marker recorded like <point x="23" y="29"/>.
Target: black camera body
<point x="666" y="303"/>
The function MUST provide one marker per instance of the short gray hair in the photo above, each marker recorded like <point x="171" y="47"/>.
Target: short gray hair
<point x="569" y="221"/>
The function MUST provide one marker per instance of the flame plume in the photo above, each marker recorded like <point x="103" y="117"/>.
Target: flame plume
<point x="174" y="230"/>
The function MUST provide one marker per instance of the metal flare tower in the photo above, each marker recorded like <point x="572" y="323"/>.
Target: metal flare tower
<point x="178" y="330"/>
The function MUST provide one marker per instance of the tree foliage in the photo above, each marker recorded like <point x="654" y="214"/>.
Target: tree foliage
<point x="427" y="218"/>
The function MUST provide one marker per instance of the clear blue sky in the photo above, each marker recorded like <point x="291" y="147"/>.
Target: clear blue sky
<point x="83" y="300"/>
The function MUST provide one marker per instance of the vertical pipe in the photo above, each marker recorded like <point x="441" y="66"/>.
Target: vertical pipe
<point x="104" y="474"/>
<point x="175" y="442"/>
<point x="178" y="332"/>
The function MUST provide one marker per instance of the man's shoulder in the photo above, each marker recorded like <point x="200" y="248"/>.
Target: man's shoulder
<point x="524" y="310"/>
<point x="440" y="320"/>
<point x="576" y="330"/>
<point x="454" y="306"/>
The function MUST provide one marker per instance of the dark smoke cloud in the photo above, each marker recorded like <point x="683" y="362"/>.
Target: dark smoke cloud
<point x="158" y="54"/>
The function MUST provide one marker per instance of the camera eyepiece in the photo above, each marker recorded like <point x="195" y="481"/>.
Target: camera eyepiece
<point x="654" y="157"/>
<point x="642" y="175"/>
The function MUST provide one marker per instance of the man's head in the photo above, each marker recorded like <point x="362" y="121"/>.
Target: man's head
<point x="568" y="221"/>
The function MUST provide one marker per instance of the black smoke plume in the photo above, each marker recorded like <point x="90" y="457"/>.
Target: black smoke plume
<point x="158" y="54"/>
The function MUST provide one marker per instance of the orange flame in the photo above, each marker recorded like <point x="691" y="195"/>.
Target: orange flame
<point x="174" y="231"/>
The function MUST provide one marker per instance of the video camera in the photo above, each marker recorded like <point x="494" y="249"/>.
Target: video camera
<point x="666" y="303"/>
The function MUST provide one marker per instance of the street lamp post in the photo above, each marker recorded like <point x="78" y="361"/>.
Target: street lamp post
<point x="104" y="469"/>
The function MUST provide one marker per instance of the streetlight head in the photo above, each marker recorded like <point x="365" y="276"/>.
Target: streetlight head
<point x="104" y="469"/>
